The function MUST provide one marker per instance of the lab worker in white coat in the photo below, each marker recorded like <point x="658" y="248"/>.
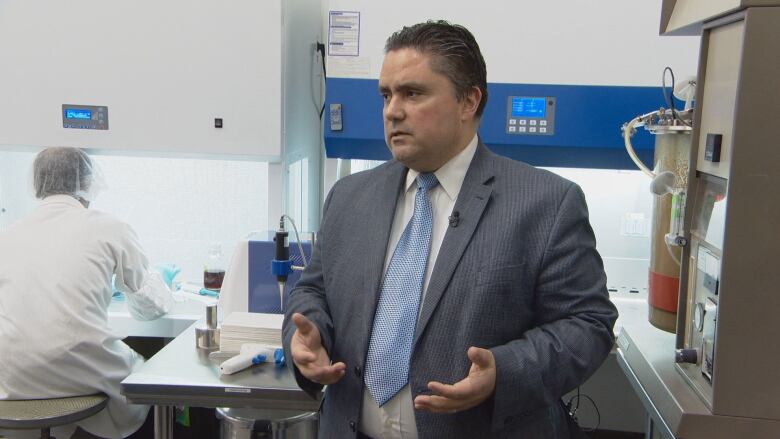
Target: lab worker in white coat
<point x="56" y="269"/>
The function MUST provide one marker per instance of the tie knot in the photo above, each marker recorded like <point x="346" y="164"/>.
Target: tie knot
<point x="427" y="181"/>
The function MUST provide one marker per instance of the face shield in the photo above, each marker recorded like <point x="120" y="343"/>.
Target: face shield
<point x="66" y="171"/>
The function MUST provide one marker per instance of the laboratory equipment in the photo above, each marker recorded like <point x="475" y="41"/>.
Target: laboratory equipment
<point x="727" y="312"/>
<point x="214" y="270"/>
<point x="128" y="94"/>
<point x="207" y="337"/>
<point x="527" y="115"/>
<point x="252" y="354"/>
<point x="554" y="99"/>
<point x="85" y="117"/>
<point x="729" y="309"/>
<point x="250" y="285"/>
<point x="281" y="265"/>
<point x="672" y="130"/>
<point x="240" y="423"/>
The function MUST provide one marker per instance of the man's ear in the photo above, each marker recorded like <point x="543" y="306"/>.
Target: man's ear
<point x="471" y="103"/>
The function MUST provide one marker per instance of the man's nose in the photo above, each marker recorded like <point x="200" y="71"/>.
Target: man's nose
<point x="394" y="109"/>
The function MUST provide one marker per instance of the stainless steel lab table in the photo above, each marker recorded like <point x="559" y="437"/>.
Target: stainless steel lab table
<point x="180" y="374"/>
<point x="646" y="355"/>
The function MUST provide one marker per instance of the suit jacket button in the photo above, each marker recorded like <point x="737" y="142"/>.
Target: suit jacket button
<point x="352" y="425"/>
<point x="357" y="371"/>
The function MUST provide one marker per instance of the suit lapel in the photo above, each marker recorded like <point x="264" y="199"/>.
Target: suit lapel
<point x="472" y="200"/>
<point x="388" y="186"/>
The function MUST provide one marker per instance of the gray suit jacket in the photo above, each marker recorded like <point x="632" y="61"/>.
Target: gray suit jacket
<point x="518" y="275"/>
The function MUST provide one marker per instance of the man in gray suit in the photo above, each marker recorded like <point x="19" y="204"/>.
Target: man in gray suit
<point x="464" y="305"/>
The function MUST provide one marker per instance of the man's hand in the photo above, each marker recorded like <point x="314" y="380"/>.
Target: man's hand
<point x="466" y="393"/>
<point x="309" y="356"/>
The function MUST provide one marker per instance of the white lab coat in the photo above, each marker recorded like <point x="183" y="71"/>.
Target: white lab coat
<point x="56" y="267"/>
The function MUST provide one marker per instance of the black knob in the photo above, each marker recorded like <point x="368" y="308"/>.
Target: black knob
<point x="686" y="356"/>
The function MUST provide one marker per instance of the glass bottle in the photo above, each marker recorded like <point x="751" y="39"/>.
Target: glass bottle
<point x="214" y="269"/>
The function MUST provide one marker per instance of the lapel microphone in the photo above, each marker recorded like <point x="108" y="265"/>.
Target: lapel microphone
<point x="454" y="219"/>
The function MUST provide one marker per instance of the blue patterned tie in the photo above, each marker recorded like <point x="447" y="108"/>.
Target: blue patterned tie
<point x="390" y="348"/>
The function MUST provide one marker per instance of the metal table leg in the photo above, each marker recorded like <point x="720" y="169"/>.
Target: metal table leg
<point x="649" y="427"/>
<point x="163" y="422"/>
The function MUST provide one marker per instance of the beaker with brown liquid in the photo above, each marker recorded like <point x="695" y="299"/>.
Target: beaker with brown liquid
<point x="212" y="278"/>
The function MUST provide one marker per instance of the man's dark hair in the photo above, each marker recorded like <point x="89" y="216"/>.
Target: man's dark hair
<point x="456" y="54"/>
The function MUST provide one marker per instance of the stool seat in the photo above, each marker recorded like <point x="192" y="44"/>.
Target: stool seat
<point x="26" y="414"/>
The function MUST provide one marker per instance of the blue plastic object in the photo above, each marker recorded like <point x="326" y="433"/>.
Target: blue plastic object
<point x="279" y="357"/>
<point x="281" y="268"/>
<point x="258" y="359"/>
<point x="207" y="292"/>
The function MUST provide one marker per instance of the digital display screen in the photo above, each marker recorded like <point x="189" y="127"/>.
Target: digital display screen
<point x="529" y="107"/>
<point x="72" y="113"/>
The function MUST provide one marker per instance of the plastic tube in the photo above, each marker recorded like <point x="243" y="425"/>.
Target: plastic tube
<point x="628" y="131"/>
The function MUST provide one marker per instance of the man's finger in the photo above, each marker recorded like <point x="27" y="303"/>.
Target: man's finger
<point x="480" y="357"/>
<point x="435" y="404"/>
<point x="303" y="356"/>
<point x="324" y="374"/>
<point x="304" y="325"/>
<point x="459" y="390"/>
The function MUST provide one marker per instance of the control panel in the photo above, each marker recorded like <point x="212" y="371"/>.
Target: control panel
<point x="85" y="117"/>
<point x="530" y="115"/>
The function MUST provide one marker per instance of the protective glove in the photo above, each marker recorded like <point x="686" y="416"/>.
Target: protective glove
<point x="114" y="292"/>
<point x="168" y="273"/>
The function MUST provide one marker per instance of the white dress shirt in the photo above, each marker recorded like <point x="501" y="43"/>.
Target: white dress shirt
<point x="395" y="419"/>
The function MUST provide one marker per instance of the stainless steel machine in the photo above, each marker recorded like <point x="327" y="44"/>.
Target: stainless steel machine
<point x="727" y="354"/>
<point x="729" y="312"/>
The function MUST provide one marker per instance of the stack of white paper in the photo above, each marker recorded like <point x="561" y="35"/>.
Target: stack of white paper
<point x="249" y="327"/>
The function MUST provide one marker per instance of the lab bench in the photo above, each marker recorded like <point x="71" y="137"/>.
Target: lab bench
<point x="180" y="374"/>
<point x="646" y="356"/>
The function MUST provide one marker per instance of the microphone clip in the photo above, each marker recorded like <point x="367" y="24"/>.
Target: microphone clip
<point x="454" y="219"/>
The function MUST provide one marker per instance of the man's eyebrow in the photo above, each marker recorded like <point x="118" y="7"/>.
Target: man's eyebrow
<point x="411" y="85"/>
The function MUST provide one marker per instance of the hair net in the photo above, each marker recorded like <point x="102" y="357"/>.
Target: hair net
<point x="67" y="171"/>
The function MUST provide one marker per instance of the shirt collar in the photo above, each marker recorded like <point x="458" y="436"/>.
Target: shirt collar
<point x="452" y="173"/>
<point x="61" y="199"/>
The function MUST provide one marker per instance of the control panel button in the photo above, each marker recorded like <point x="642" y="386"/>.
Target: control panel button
<point x="512" y="121"/>
<point x="542" y="130"/>
<point x="532" y="130"/>
<point x="512" y="129"/>
<point x="522" y="121"/>
<point x="533" y="122"/>
<point x="543" y="123"/>
<point x="521" y="129"/>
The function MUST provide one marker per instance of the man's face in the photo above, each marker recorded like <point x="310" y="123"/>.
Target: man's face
<point x="425" y="124"/>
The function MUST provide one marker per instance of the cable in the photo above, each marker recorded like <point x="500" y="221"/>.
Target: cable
<point x="573" y="412"/>
<point x="321" y="50"/>
<point x="297" y="238"/>
<point x="669" y="98"/>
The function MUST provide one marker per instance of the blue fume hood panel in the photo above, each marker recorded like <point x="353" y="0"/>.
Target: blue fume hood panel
<point x="587" y="124"/>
